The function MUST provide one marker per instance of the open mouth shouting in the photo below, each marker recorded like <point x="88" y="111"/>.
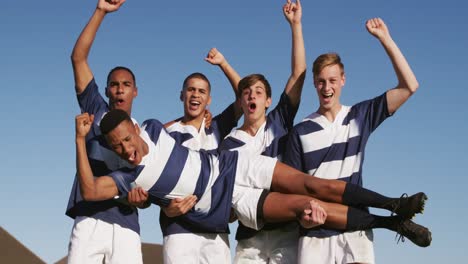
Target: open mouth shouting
<point x="327" y="95"/>
<point x="132" y="157"/>
<point x="194" y="105"/>
<point x="252" y="107"/>
<point x="119" y="102"/>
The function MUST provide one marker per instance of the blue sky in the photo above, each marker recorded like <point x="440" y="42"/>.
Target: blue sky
<point x="419" y="148"/>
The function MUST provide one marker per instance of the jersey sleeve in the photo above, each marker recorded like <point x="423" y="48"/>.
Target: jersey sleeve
<point x="284" y="111"/>
<point x="224" y="122"/>
<point x="153" y="127"/>
<point x="293" y="152"/>
<point x="124" y="178"/>
<point x="91" y="101"/>
<point x="375" y="111"/>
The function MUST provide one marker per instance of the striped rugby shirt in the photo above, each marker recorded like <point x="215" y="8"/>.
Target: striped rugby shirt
<point x="206" y="139"/>
<point x="270" y="141"/>
<point x="103" y="161"/>
<point x="335" y="150"/>
<point x="170" y="171"/>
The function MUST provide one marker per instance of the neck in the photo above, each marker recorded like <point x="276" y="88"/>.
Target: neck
<point x="252" y="126"/>
<point x="193" y="121"/>
<point x="331" y="113"/>
<point x="144" y="146"/>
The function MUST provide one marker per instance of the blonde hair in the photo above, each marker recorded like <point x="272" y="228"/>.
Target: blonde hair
<point x="325" y="60"/>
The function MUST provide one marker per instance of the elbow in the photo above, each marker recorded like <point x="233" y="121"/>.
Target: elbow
<point x="88" y="196"/>
<point x="299" y="73"/>
<point x="76" y="57"/>
<point x="413" y="87"/>
<point x="298" y="76"/>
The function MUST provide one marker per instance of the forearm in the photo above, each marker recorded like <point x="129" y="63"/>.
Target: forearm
<point x="87" y="36"/>
<point x="298" y="65"/>
<point x="231" y="75"/>
<point x="81" y="71"/>
<point x="406" y="77"/>
<point x="85" y="174"/>
<point x="298" y="56"/>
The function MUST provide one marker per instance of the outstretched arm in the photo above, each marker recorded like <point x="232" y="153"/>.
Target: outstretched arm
<point x="92" y="189"/>
<point x="293" y="14"/>
<point x="407" y="83"/>
<point x="81" y="70"/>
<point x="217" y="58"/>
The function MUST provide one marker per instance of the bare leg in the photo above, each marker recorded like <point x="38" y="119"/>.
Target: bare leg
<point x="289" y="180"/>
<point x="280" y="207"/>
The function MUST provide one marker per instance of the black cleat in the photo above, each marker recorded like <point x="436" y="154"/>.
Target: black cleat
<point x="418" y="234"/>
<point x="407" y="207"/>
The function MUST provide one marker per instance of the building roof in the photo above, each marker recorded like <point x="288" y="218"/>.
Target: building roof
<point x="12" y="251"/>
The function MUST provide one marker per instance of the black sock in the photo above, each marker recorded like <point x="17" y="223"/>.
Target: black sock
<point x="362" y="220"/>
<point x="357" y="196"/>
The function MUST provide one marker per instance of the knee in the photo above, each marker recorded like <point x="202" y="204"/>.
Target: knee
<point x="317" y="186"/>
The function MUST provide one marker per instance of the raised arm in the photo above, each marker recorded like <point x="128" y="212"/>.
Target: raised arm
<point x="92" y="189"/>
<point x="217" y="58"/>
<point x="293" y="14"/>
<point x="81" y="70"/>
<point x="407" y="83"/>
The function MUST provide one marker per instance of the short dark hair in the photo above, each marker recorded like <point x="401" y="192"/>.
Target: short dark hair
<point x="196" y="75"/>
<point x="120" y="68"/>
<point x="250" y="80"/>
<point x="112" y="119"/>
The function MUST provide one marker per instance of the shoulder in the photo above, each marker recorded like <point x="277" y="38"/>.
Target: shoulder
<point x="308" y="125"/>
<point x="153" y="127"/>
<point x="152" y="123"/>
<point x="366" y="103"/>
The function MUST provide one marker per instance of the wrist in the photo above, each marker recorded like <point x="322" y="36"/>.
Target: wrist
<point x="224" y="64"/>
<point x="80" y="139"/>
<point x="295" y="24"/>
<point x="101" y="11"/>
<point x="385" y="39"/>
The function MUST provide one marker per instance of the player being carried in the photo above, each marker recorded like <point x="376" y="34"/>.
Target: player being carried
<point x="168" y="170"/>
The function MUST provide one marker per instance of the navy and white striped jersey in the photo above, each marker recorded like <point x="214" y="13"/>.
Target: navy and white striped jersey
<point x="206" y="139"/>
<point x="170" y="171"/>
<point x="335" y="150"/>
<point x="103" y="161"/>
<point x="270" y="141"/>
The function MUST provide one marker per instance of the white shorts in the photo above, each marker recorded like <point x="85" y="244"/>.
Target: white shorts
<point x="349" y="247"/>
<point x="270" y="246"/>
<point x="253" y="175"/>
<point x="255" y="171"/>
<point x="245" y="204"/>
<point x="196" y="248"/>
<point x="96" y="241"/>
